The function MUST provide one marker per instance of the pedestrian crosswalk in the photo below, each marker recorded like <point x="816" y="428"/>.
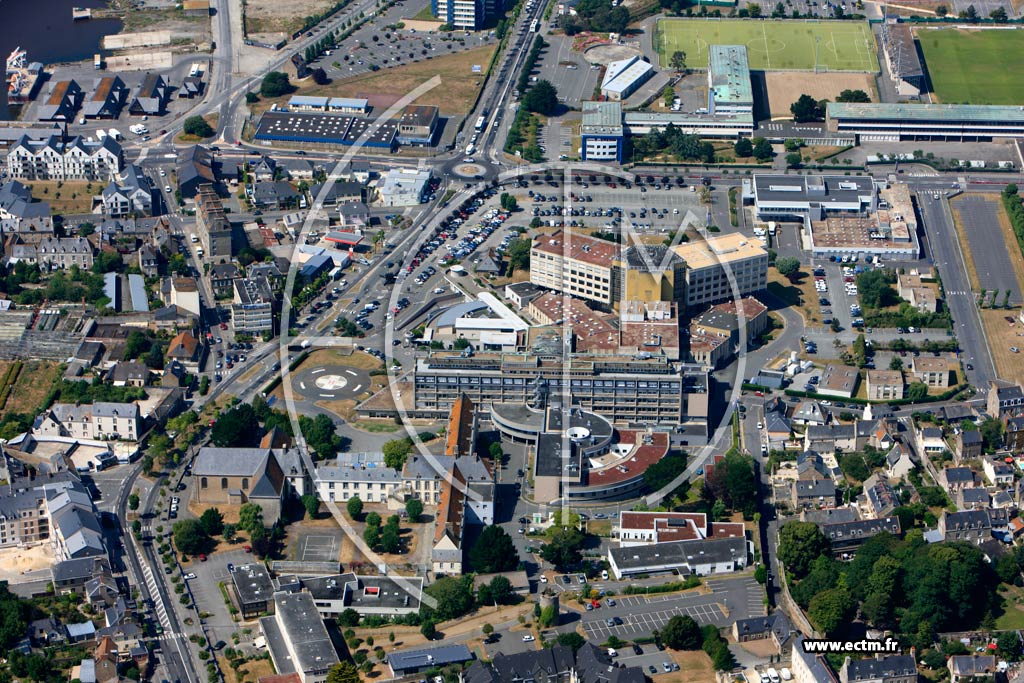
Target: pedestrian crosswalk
<point x="161" y="609"/>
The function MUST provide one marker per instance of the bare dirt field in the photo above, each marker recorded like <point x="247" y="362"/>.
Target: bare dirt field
<point x="455" y="94"/>
<point x="14" y="562"/>
<point x="247" y="673"/>
<point x="785" y="86"/>
<point x="263" y="16"/>
<point x="1002" y="335"/>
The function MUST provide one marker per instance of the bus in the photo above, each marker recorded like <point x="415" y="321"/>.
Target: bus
<point x="536" y="25"/>
<point x="480" y="123"/>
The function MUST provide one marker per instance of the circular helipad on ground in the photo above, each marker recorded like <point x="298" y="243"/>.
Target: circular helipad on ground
<point x="470" y="170"/>
<point x="331" y="382"/>
<point x="605" y="54"/>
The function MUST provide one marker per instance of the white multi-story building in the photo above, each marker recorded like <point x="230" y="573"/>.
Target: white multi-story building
<point x="712" y="267"/>
<point x="252" y="310"/>
<point x="99" y="421"/>
<point x="575" y="264"/>
<point x="458" y="13"/>
<point x="65" y="158"/>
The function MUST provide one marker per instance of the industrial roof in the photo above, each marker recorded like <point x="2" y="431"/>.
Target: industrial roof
<point x="926" y="112"/>
<point x="620" y="75"/>
<point x="412" y="660"/>
<point x="729" y="73"/>
<point x="602" y="118"/>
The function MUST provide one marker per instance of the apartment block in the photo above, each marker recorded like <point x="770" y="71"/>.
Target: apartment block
<point x="65" y="158"/>
<point x="212" y="226"/>
<point x="713" y="265"/>
<point x="575" y="264"/>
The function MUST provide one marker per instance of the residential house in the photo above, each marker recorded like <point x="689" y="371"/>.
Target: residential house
<point x="971" y="667"/>
<point x="54" y="253"/>
<point x="878" y="499"/>
<point x="271" y="194"/>
<point x="152" y="97"/>
<point x="879" y="669"/>
<point x="185" y="349"/>
<point x="807" y="667"/>
<point x="846" y="537"/>
<point x="997" y="472"/>
<point x="185" y="294"/>
<point x="339" y="193"/>
<point x="1004" y="397"/>
<point x="775" y="627"/>
<point x="809" y="413"/>
<point x="778" y="429"/>
<point x="22" y="216"/>
<point x="831" y="438"/>
<point x="973" y="498"/>
<point x="128" y="194"/>
<point x="196" y="167"/>
<point x="970" y="526"/>
<point x="97" y="421"/>
<point x="1013" y="433"/>
<point x="930" y="441"/>
<point x="147" y="260"/>
<point x="885" y="385"/>
<point x="222" y="278"/>
<point x="1003" y="500"/>
<point x="354" y="215"/>
<point x="84" y="632"/>
<point x="957" y="478"/>
<point x="967" y="445"/>
<point x="898" y="462"/>
<point x="263" y="169"/>
<point x="128" y="374"/>
<point x="935" y="372"/>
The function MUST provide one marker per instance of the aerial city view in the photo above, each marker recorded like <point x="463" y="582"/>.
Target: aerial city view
<point x="512" y="341"/>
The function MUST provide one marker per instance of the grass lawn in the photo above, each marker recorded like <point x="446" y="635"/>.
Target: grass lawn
<point x="843" y="46"/>
<point x="792" y="293"/>
<point x="1013" y="604"/>
<point x="976" y="67"/>
<point x="455" y="95"/>
<point x="1001" y="336"/>
<point x="69" y="196"/>
<point x="424" y="14"/>
<point x="211" y="119"/>
<point x="33" y="384"/>
<point x="376" y="426"/>
<point x="694" y="667"/>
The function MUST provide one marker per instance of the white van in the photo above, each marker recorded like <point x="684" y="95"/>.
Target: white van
<point x="773" y="676"/>
<point x="194" y="238"/>
<point x="200" y="252"/>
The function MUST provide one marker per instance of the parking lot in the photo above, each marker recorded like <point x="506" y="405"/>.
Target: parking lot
<point x="376" y="45"/>
<point x="980" y="220"/>
<point x="652" y="617"/>
<point x="573" y="77"/>
<point x="206" y="591"/>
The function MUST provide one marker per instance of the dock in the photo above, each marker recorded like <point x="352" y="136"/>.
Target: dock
<point x="81" y="13"/>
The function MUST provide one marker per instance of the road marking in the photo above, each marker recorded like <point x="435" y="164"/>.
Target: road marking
<point x="326" y="396"/>
<point x="302" y="385"/>
<point x="357" y="388"/>
<point x="317" y="370"/>
<point x="351" y="372"/>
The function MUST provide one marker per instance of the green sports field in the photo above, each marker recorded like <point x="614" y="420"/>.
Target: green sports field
<point x="975" y="67"/>
<point x="772" y="45"/>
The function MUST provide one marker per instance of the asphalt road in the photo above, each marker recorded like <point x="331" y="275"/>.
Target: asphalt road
<point x="989" y="251"/>
<point x="943" y="248"/>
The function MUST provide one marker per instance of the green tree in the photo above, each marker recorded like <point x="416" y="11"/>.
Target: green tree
<point x="896" y="363"/>
<point x="681" y="632"/>
<point x="344" y="672"/>
<point x="794" y="160"/>
<point x="754" y="9"/>
<point x="762" y="149"/>
<point x="320" y="434"/>
<point x="853" y="96"/>
<point x="371" y="535"/>
<point x="677" y="62"/>
<point x="197" y="126"/>
<point x="312" y="505"/>
<point x="236" y="427"/>
<point x="454" y="596"/>
<point x="414" y="508"/>
<point x="542" y="98"/>
<point x="941" y="11"/>
<point x="853" y="466"/>
<point x="212" y="521"/>
<point x="917" y="391"/>
<point x="830" y="609"/>
<point x="429" y="629"/>
<point x="743" y="147"/>
<point x="390" y="540"/>
<point x="991" y="434"/>
<point x="563" y="548"/>
<point x="133" y="501"/>
<point x="518" y="254"/>
<point x="250" y="517"/>
<point x="349" y="617"/>
<point x="276" y="84"/>
<point x="1008" y="642"/>
<point x="788" y="266"/>
<point x="998" y="15"/>
<point x="664" y="472"/>
<point x="396" y="451"/>
<point x="229" y="532"/>
<point x="189" y="537"/>
<point x="875" y="288"/>
<point x="354" y="507"/>
<point x="571" y="639"/>
<point x="800" y="543"/>
<point x="732" y="481"/>
<point x="806" y="109"/>
<point x="493" y="552"/>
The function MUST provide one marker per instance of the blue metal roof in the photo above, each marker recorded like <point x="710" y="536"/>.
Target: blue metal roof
<point x="437" y="656"/>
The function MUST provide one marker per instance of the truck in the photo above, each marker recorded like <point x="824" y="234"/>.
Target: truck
<point x="97" y="61"/>
<point x="480" y="123"/>
<point x="470" y="149"/>
<point x="114" y="133"/>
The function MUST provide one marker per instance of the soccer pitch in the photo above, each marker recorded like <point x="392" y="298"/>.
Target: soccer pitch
<point x="772" y="45"/>
<point x="975" y="67"/>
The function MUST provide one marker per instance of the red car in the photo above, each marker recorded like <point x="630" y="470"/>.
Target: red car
<point x="248" y="548"/>
<point x="202" y="558"/>
<point x="223" y="326"/>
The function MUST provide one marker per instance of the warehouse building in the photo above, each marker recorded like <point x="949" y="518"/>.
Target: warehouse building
<point x="794" y="197"/>
<point x="325" y="129"/>
<point x="418" y="125"/>
<point x="947" y="122"/>
<point x="720" y="125"/>
<point x="337" y="105"/>
<point x="601" y="133"/>
<point x="623" y="77"/>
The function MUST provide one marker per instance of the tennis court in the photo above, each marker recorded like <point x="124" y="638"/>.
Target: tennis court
<point x="772" y="45"/>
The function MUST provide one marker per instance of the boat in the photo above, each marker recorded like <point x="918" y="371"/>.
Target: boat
<point x="16" y="60"/>
<point x="81" y="13"/>
<point x="22" y="80"/>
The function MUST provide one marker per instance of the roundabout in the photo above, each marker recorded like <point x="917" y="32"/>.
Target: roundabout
<point x="334" y="382"/>
<point x="469" y="170"/>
